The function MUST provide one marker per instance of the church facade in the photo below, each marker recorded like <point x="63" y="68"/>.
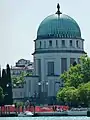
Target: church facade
<point x="58" y="45"/>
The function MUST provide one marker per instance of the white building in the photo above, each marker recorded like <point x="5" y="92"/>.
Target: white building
<point x="22" y="65"/>
<point x="58" y="45"/>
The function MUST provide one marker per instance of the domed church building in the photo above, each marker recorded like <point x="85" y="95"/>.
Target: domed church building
<point x="58" y="45"/>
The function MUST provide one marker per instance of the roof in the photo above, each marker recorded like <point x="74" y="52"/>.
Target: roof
<point x="58" y="26"/>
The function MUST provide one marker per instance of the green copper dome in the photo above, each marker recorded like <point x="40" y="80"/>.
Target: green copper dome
<point x="58" y="26"/>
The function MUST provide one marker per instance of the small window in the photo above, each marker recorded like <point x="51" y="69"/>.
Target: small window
<point x="63" y="42"/>
<point x="77" y="43"/>
<point x="70" y="42"/>
<point x="50" y="43"/>
<point x="72" y="60"/>
<point x="40" y="44"/>
<point x="50" y="68"/>
<point x="74" y="63"/>
<point x="56" y="43"/>
<point x="63" y="64"/>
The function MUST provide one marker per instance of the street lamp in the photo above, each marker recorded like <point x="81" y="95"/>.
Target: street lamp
<point x="39" y="83"/>
<point x="7" y="85"/>
<point x="39" y="90"/>
<point x="44" y="84"/>
<point x="6" y="94"/>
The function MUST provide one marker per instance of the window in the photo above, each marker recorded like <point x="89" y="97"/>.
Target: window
<point x="40" y="44"/>
<point x="50" y="43"/>
<point x="72" y="60"/>
<point x="56" y="43"/>
<point x="70" y="43"/>
<point x="39" y="67"/>
<point x="63" y="64"/>
<point x="50" y="68"/>
<point x="77" y="44"/>
<point x="63" y="43"/>
<point x="20" y="94"/>
<point x="74" y="63"/>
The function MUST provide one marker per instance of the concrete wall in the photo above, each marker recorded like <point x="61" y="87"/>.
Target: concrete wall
<point x="18" y="93"/>
<point x="31" y="85"/>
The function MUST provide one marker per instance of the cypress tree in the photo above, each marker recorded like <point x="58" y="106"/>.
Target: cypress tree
<point x="0" y="76"/>
<point x="3" y="84"/>
<point x="0" y="82"/>
<point x="4" y="81"/>
<point x="9" y="86"/>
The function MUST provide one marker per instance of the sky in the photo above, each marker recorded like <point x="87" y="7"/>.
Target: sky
<point x="20" y="19"/>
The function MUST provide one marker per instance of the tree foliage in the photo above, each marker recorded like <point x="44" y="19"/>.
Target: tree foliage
<point x="73" y="77"/>
<point x="77" y="85"/>
<point x="19" y="80"/>
<point x="9" y="97"/>
<point x="1" y="96"/>
<point x="4" y="81"/>
<point x="6" y="86"/>
<point x="84" y="93"/>
<point x="68" y="95"/>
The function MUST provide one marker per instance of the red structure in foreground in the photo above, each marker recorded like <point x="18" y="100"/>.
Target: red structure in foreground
<point x="10" y="108"/>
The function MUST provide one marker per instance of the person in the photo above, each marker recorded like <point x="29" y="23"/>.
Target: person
<point x="34" y="108"/>
<point x="55" y="107"/>
<point x="15" y="107"/>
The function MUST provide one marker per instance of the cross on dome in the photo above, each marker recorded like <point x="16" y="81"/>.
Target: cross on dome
<point x="58" y="9"/>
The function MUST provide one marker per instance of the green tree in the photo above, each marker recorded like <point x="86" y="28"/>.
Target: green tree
<point x="76" y="82"/>
<point x="1" y="96"/>
<point x="85" y="68"/>
<point x="9" y="97"/>
<point x="77" y="74"/>
<point x="73" y="77"/>
<point x="4" y="81"/>
<point x="69" y="95"/>
<point x="19" y="80"/>
<point x="84" y="93"/>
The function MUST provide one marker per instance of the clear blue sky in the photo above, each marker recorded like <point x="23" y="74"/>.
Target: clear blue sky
<point x="20" y="19"/>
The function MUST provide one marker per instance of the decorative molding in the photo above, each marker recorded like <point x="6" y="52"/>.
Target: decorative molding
<point x="59" y="51"/>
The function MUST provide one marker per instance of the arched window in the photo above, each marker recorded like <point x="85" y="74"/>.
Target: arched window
<point x="56" y="43"/>
<point x="77" y="44"/>
<point x="70" y="43"/>
<point x="50" y="43"/>
<point x="63" y="43"/>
